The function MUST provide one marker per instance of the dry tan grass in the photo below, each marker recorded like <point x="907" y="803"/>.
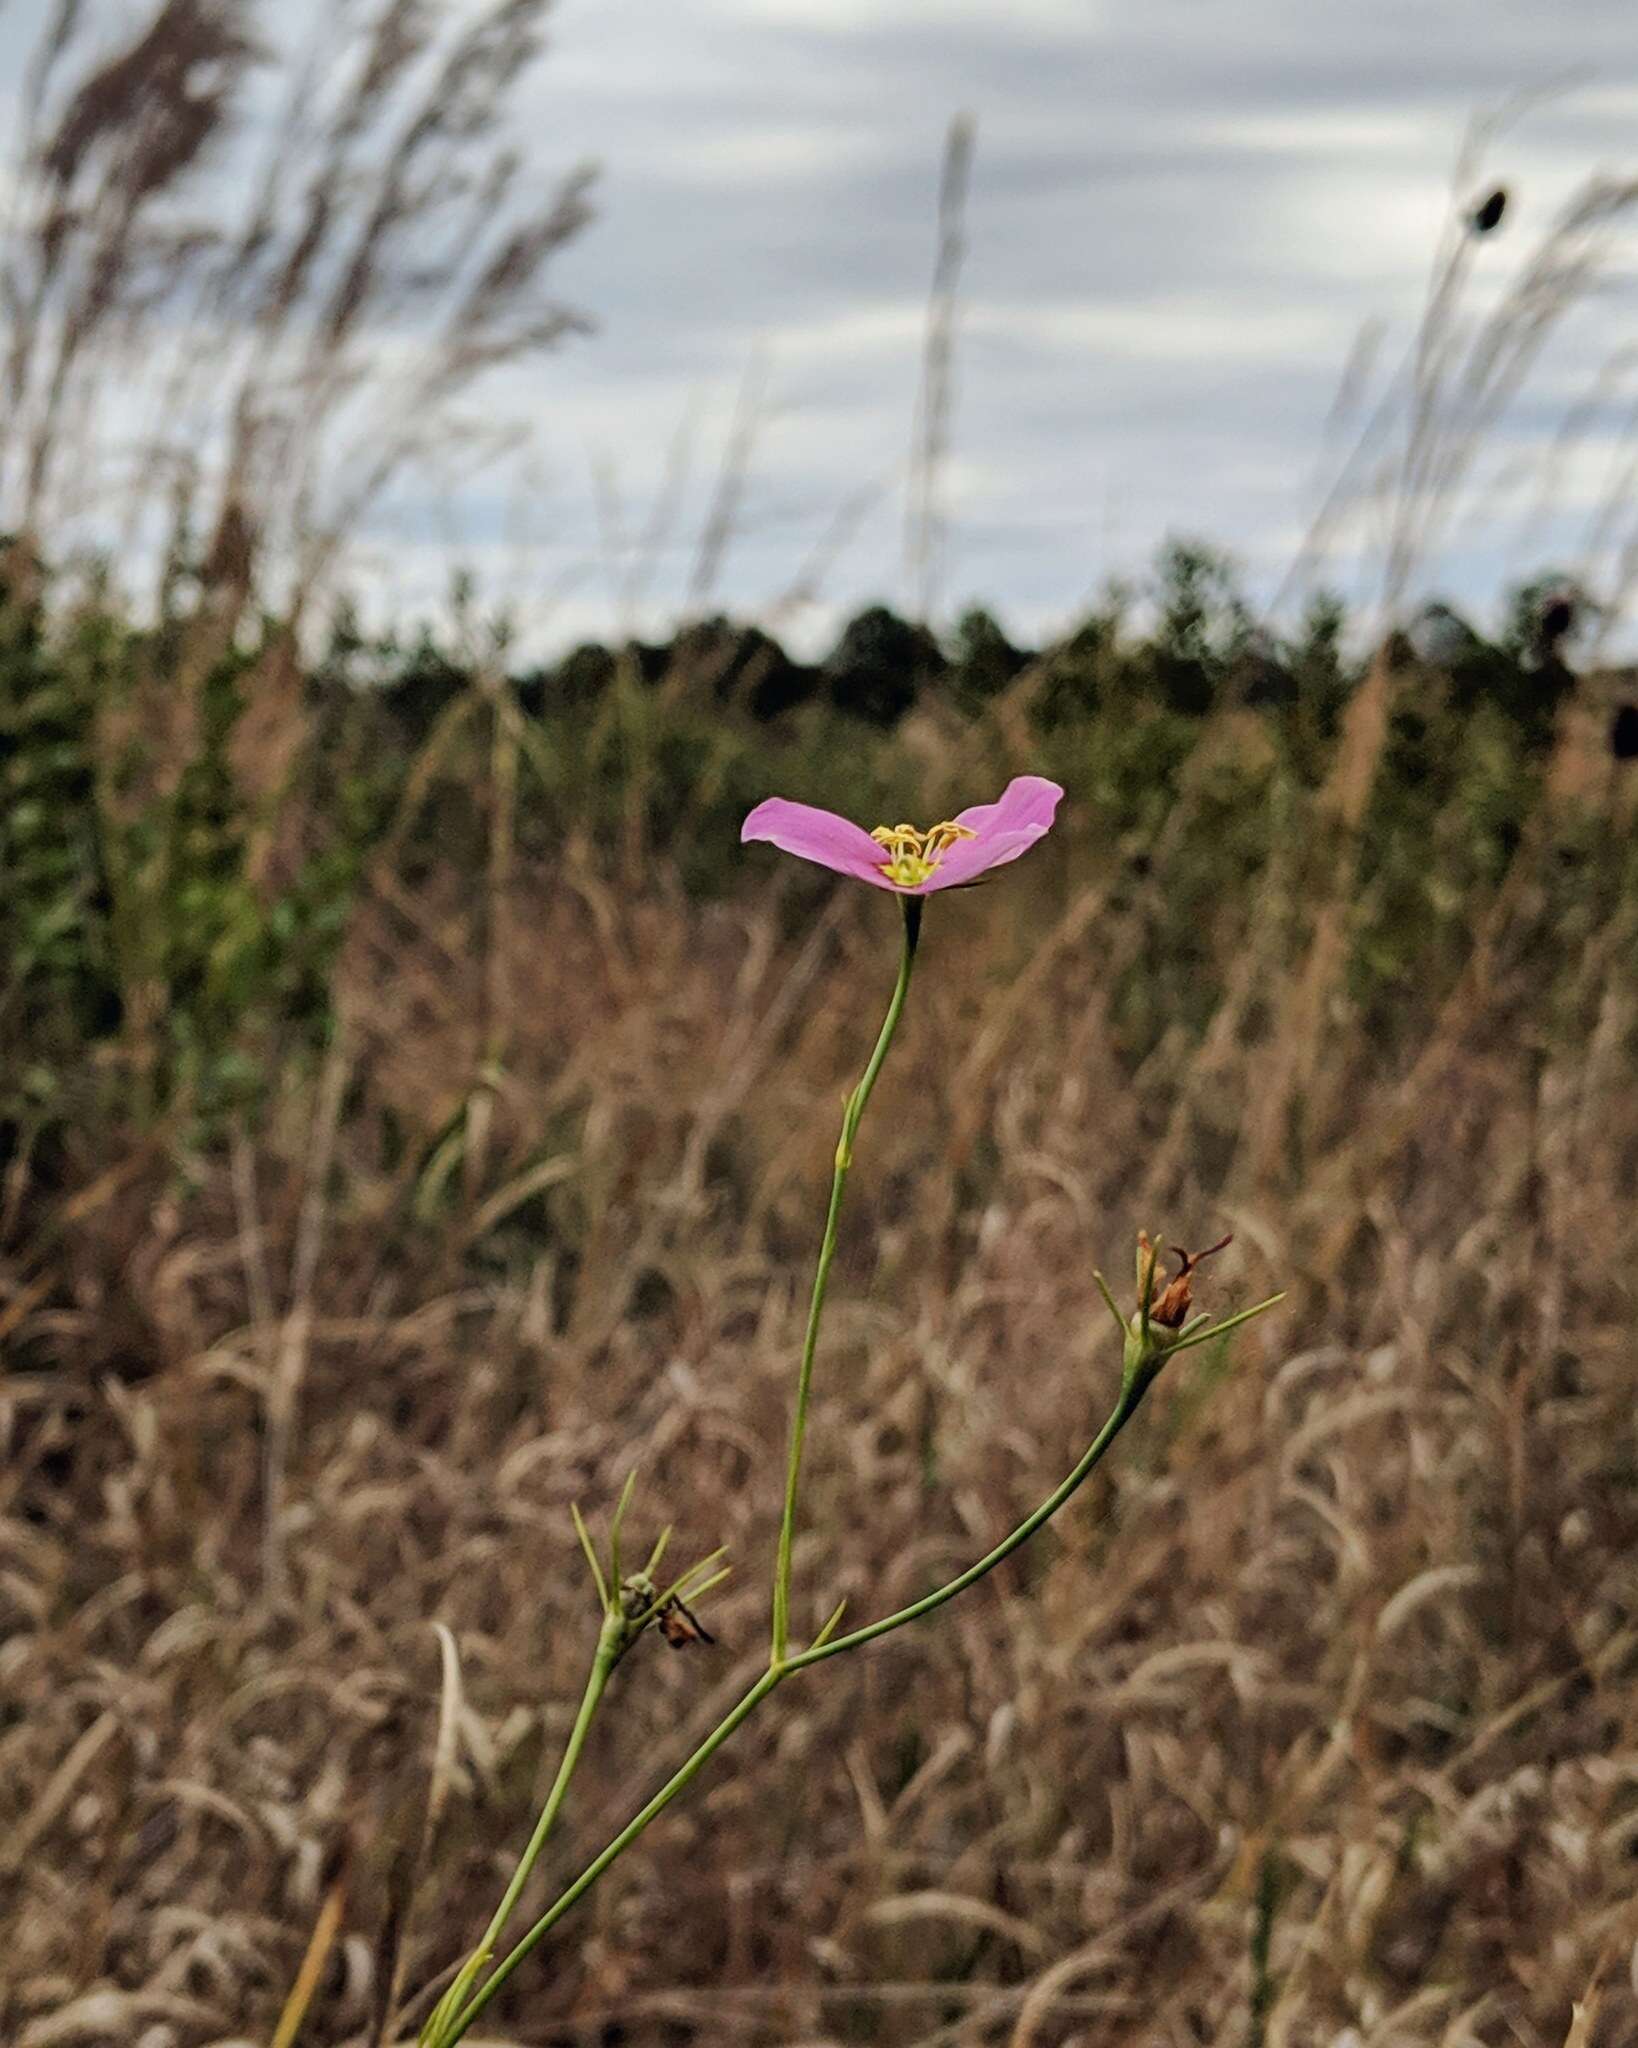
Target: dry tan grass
<point x="1318" y="1707"/>
<point x="1311" y="1723"/>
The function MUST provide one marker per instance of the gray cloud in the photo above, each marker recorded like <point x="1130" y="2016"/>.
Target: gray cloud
<point x="1181" y="217"/>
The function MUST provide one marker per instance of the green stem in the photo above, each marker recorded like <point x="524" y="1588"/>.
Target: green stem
<point x="611" y="1640"/>
<point x="851" y="1116"/>
<point x="622" y="1841"/>
<point x="1125" y="1408"/>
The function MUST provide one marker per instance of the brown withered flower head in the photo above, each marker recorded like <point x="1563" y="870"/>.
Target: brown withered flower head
<point x="1170" y="1304"/>
<point x="1163" y="1325"/>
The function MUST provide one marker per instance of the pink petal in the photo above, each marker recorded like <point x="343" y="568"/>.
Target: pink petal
<point x="822" y="836"/>
<point x="1021" y="815"/>
<point x="975" y="857"/>
<point x="1027" y="800"/>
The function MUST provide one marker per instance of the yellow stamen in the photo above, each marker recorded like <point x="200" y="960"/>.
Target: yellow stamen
<point x="911" y="855"/>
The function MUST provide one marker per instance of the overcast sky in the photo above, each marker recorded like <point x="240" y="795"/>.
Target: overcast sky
<point x="1182" y="214"/>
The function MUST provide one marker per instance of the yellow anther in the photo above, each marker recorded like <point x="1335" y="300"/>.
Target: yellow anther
<point x="912" y="855"/>
<point x="940" y="838"/>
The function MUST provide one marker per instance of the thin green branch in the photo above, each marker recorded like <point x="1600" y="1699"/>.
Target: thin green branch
<point x="1125" y="1407"/>
<point x="711" y="1584"/>
<point x="616" y="1577"/>
<point x="1114" y="1307"/>
<point x="825" y="1645"/>
<point x="831" y="1626"/>
<point x="612" y="1638"/>
<point x="851" y="1116"/>
<point x="1203" y="1331"/>
<point x="687" y="1586"/>
<point x="584" y="1534"/>
<point x="622" y="1841"/>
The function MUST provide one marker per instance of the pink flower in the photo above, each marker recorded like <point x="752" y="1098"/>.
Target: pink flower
<point x="900" y="858"/>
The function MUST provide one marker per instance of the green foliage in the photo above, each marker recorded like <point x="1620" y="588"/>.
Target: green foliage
<point x="1083" y="673"/>
<point x="1322" y="677"/>
<point x="56" y="991"/>
<point x="1460" y="779"/>
<point x="159" y="956"/>
<point x="986" y="661"/>
<point x="880" y="666"/>
<point x="1203" y="629"/>
<point x="146" y="969"/>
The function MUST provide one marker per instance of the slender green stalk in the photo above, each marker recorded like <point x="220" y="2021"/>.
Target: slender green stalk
<point x="611" y="1640"/>
<point x="1125" y="1408"/>
<point x="1134" y="1385"/>
<point x="622" y="1841"/>
<point x="616" y="1628"/>
<point x="851" y="1116"/>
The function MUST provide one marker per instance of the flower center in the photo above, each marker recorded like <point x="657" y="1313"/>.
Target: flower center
<point x="911" y="855"/>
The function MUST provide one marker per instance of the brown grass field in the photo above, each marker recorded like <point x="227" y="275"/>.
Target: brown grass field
<point x="1311" y="1721"/>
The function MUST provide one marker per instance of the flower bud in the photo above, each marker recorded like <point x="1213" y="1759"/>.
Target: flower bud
<point x="1170" y="1306"/>
<point x="1163" y="1324"/>
<point x="1162" y="1319"/>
